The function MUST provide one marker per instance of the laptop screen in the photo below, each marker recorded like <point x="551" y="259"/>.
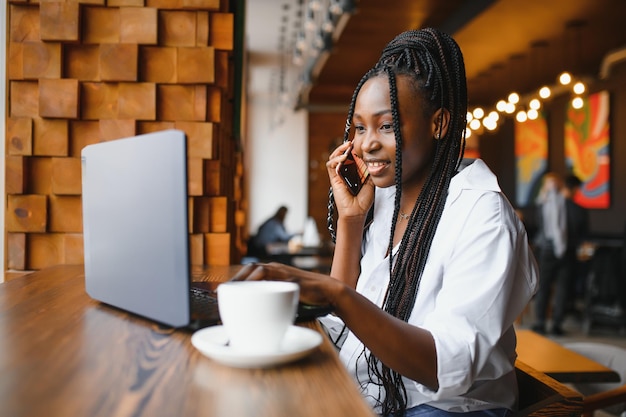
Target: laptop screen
<point x="135" y="225"/>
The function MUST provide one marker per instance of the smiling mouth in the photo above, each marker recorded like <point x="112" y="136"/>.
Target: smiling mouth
<point x="375" y="167"/>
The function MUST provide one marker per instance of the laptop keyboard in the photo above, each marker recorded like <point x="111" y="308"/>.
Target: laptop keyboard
<point x="203" y="303"/>
<point x="204" y="306"/>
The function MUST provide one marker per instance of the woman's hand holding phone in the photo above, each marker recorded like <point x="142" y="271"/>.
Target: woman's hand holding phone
<point x="353" y="172"/>
<point x="349" y="178"/>
<point x="352" y="208"/>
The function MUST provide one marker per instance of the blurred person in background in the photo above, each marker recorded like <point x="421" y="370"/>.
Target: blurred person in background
<point x="271" y="231"/>
<point x="562" y="225"/>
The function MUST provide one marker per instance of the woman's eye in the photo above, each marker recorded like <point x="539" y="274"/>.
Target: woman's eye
<point x="387" y="126"/>
<point x="359" y="129"/>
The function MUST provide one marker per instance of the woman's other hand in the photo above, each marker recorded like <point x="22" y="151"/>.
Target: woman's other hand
<point x="315" y="288"/>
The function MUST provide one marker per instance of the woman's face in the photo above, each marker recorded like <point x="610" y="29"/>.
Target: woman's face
<point x="374" y="139"/>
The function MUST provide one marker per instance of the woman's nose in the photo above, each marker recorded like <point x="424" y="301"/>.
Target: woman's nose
<point x="366" y="143"/>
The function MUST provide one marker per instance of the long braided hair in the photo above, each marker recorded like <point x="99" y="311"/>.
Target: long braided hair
<point x="434" y="62"/>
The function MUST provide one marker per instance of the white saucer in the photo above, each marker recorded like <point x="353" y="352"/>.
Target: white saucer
<point x="212" y="342"/>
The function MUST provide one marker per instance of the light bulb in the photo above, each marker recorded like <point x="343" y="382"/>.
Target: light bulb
<point x="545" y="92"/>
<point x="328" y="26"/>
<point x="335" y="7"/>
<point x="532" y="114"/>
<point x="513" y="98"/>
<point x="577" y="103"/>
<point x="478" y="112"/>
<point x="534" y="104"/>
<point x="521" y="116"/>
<point x="318" y="42"/>
<point x="501" y="105"/>
<point x="565" y="78"/>
<point x="489" y="123"/>
<point x="301" y="42"/>
<point x="297" y="58"/>
<point x="474" y="124"/>
<point x="579" y="88"/>
<point x="315" y="5"/>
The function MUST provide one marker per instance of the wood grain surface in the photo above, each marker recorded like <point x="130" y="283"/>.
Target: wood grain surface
<point x="548" y="356"/>
<point x="64" y="354"/>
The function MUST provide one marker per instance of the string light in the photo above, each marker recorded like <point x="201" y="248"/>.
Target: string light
<point x="328" y="26"/>
<point x="490" y="123"/>
<point x="527" y="107"/>
<point x="477" y="120"/>
<point x="577" y="102"/>
<point x="315" y="5"/>
<point x="565" y="78"/>
<point x="579" y="88"/>
<point x="336" y="7"/>
<point x="318" y="25"/>
<point x="545" y="92"/>
<point x="534" y="104"/>
<point x="478" y="112"/>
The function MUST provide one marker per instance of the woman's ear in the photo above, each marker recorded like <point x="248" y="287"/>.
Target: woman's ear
<point x="440" y="123"/>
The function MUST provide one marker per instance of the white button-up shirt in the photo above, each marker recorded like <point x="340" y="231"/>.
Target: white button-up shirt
<point x="479" y="276"/>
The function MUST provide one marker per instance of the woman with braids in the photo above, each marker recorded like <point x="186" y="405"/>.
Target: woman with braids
<point x="429" y="329"/>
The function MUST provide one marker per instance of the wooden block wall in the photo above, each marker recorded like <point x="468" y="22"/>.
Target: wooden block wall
<point x="88" y="71"/>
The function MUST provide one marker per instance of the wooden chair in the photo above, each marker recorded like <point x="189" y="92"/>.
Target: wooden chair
<point x="603" y="400"/>
<point x="540" y="395"/>
<point x="610" y="397"/>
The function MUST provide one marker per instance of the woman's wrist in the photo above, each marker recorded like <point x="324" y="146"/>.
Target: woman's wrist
<point x="337" y="294"/>
<point x="351" y="221"/>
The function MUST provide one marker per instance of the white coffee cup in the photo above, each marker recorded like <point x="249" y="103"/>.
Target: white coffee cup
<point x="257" y="314"/>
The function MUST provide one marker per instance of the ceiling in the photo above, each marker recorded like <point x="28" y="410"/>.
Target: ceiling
<point x="507" y="44"/>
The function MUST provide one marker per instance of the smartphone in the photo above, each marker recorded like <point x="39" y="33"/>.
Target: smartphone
<point x="353" y="171"/>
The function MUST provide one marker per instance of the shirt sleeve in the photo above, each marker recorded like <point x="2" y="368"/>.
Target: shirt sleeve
<point x="281" y="233"/>
<point x="486" y="281"/>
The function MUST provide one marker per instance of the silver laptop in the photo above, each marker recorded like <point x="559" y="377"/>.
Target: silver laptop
<point x="136" y="234"/>
<point x="136" y="230"/>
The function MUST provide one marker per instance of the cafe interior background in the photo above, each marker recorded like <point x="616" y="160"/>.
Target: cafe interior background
<point x="261" y="87"/>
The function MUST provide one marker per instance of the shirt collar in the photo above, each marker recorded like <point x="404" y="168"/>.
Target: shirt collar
<point x="475" y="176"/>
